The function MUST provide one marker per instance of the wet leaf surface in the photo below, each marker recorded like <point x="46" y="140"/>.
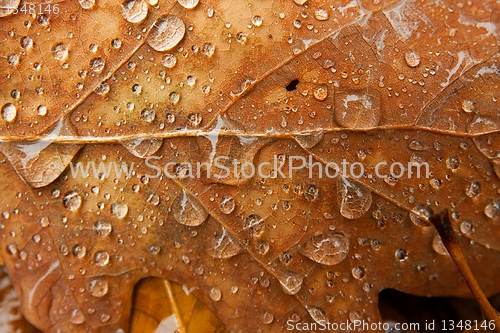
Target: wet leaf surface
<point x="140" y="91"/>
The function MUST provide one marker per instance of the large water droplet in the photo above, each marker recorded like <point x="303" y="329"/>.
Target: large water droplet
<point x="101" y="258"/>
<point x="167" y="32"/>
<point x="135" y="11"/>
<point x="143" y="147"/>
<point x="354" y="199"/>
<point x="358" y="108"/>
<point x="257" y="20"/>
<point x="412" y="58"/>
<point x="227" y="204"/>
<point x="103" y="228"/>
<point x="474" y="189"/>
<point x="98" y="287"/>
<point x="8" y="7"/>
<point x="72" y="201"/>
<point x="60" y="51"/>
<point x="254" y="225"/>
<point x="466" y="227"/>
<point x="291" y="282"/>
<point x="321" y="14"/>
<point x="87" y="4"/>
<point x="419" y="214"/>
<point x="224" y="246"/>
<point x="492" y="209"/>
<point x="468" y="105"/>
<point x="9" y="112"/>
<point x="77" y="317"/>
<point x="187" y="210"/>
<point x="79" y="250"/>
<point x="327" y="249"/>
<point x="358" y="272"/>
<point x="119" y="209"/>
<point x="307" y="141"/>
<point x="215" y="294"/>
<point x="188" y="4"/>
<point x="148" y="115"/>
<point x="317" y="313"/>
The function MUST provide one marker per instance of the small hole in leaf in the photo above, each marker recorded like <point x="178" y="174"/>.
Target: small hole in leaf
<point x="292" y="85"/>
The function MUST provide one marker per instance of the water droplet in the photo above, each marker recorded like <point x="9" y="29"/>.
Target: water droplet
<point x="9" y="7"/>
<point x="412" y="58"/>
<point x="227" y="204"/>
<point x="79" y="250"/>
<point x="492" y="209"/>
<point x="102" y="89"/>
<point x="60" y="51"/>
<point x="87" y="4"/>
<point x="187" y="210"/>
<point x="321" y="14"/>
<point x="267" y="318"/>
<point x="452" y="163"/>
<point x="119" y="209"/>
<point x="166" y="33"/>
<point x="13" y="59"/>
<point x="468" y="105"/>
<point x="354" y="199"/>
<point x="300" y="2"/>
<point x="215" y="294"/>
<point x="101" y="258"/>
<point x="208" y="49"/>
<point x="98" y="287"/>
<point x="474" y="189"/>
<point x="97" y="65"/>
<point x="418" y="215"/>
<point x="224" y="246"/>
<point x="307" y="141"/>
<point x="174" y="97"/>
<point x="143" y="147"/>
<point x="135" y="11"/>
<point x="466" y="227"/>
<point x="77" y="317"/>
<point x="26" y="42"/>
<point x="41" y="110"/>
<point x="358" y="272"/>
<point x="44" y="222"/>
<point x="257" y="21"/>
<point x="72" y="201"/>
<point x="317" y="313"/>
<point x="291" y="282"/>
<point x="416" y="145"/>
<point x="103" y="228"/>
<point x="9" y="112"/>
<point x="116" y="43"/>
<point x="188" y="4"/>
<point x="169" y="60"/>
<point x="262" y="247"/>
<point x="195" y="119"/>
<point x="327" y="249"/>
<point x="438" y="246"/>
<point x="401" y="254"/>
<point x="320" y="92"/>
<point x="148" y="115"/>
<point x="254" y="225"/>
<point x="358" y="108"/>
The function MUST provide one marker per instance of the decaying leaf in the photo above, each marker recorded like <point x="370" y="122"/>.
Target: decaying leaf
<point x="165" y="139"/>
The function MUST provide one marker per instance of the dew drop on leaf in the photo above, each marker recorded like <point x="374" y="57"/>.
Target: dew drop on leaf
<point x="358" y="272"/>
<point x="401" y="254"/>
<point x="135" y="11"/>
<point x="79" y="250"/>
<point x="60" y="51"/>
<point x="166" y="33"/>
<point x="87" y="4"/>
<point x="257" y="21"/>
<point x="267" y="318"/>
<point x="412" y="58"/>
<point x="419" y="213"/>
<point x="188" y="4"/>
<point x="467" y="105"/>
<point x="354" y="199"/>
<point x="327" y="249"/>
<point x="320" y="92"/>
<point x="169" y="60"/>
<point x="291" y="282"/>
<point x="72" y="201"/>
<point x="307" y="141"/>
<point x="254" y="225"/>
<point x="227" y="204"/>
<point x="9" y="112"/>
<point x="187" y="210"/>
<point x="465" y="227"/>
<point x="474" y="189"/>
<point x="321" y="14"/>
<point x="317" y="313"/>
<point x="492" y="209"/>
<point x="103" y="228"/>
<point x="438" y="246"/>
<point x="98" y="287"/>
<point x="9" y="7"/>
<point x="77" y="317"/>
<point x="101" y="258"/>
<point x="119" y="209"/>
<point x="215" y="294"/>
<point x="224" y="246"/>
